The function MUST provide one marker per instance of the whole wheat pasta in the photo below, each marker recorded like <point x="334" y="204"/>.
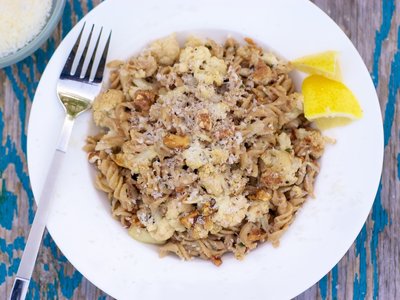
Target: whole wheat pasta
<point x="204" y="149"/>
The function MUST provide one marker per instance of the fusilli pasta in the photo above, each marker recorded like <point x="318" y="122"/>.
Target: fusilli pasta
<point x="204" y="148"/>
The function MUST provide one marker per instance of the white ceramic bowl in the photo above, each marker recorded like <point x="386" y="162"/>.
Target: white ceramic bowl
<point x="97" y="245"/>
<point x="56" y="12"/>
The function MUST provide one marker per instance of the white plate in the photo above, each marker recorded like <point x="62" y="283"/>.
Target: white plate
<point x="325" y="228"/>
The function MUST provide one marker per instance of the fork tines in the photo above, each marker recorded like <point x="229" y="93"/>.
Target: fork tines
<point x="81" y="73"/>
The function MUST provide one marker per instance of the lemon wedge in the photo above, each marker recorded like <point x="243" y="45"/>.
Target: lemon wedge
<point x="324" y="97"/>
<point x="328" y="123"/>
<point x="324" y="64"/>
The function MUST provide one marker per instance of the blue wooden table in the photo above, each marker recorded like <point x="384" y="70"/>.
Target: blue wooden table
<point x="369" y="270"/>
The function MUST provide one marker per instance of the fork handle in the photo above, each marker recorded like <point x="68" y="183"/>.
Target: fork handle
<point x="32" y="246"/>
<point x="19" y="289"/>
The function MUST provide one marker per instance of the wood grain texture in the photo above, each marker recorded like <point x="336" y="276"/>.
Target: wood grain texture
<point x="369" y="270"/>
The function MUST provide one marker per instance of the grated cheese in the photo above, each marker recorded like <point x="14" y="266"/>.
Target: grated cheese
<point x="20" y="22"/>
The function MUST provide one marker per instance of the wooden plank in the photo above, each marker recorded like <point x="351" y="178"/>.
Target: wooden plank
<point x="369" y="270"/>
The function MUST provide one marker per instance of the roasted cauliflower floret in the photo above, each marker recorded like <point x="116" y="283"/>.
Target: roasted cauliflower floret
<point x="213" y="181"/>
<point x="214" y="71"/>
<point x="174" y="209"/>
<point x="309" y="142"/>
<point x="280" y="168"/>
<point x="219" y="156"/>
<point x="166" y="50"/>
<point x="284" y="142"/>
<point x="219" y="110"/>
<point x="142" y="66"/>
<point x="206" y="68"/>
<point x="231" y="210"/>
<point x="104" y="106"/>
<point x="257" y="210"/>
<point x="237" y="183"/>
<point x="134" y="162"/>
<point x="158" y="227"/>
<point x="195" y="156"/>
<point x="193" y="41"/>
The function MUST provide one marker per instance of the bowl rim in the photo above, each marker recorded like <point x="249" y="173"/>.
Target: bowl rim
<point x="38" y="40"/>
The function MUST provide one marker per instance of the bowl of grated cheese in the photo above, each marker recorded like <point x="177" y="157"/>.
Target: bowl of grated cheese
<point x="25" y="25"/>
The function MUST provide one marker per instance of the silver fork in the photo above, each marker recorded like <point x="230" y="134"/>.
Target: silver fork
<point x="75" y="90"/>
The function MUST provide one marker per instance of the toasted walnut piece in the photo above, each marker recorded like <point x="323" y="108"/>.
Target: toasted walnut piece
<point x="143" y="100"/>
<point x="189" y="220"/>
<point x="224" y="133"/>
<point x="216" y="260"/>
<point x="176" y="141"/>
<point x="262" y="74"/>
<point x="271" y="179"/>
<point x="261" y="195"/>
<point x="204" y="120"/>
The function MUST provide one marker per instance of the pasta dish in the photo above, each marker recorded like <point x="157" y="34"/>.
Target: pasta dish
<point x="204" y="148"/>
